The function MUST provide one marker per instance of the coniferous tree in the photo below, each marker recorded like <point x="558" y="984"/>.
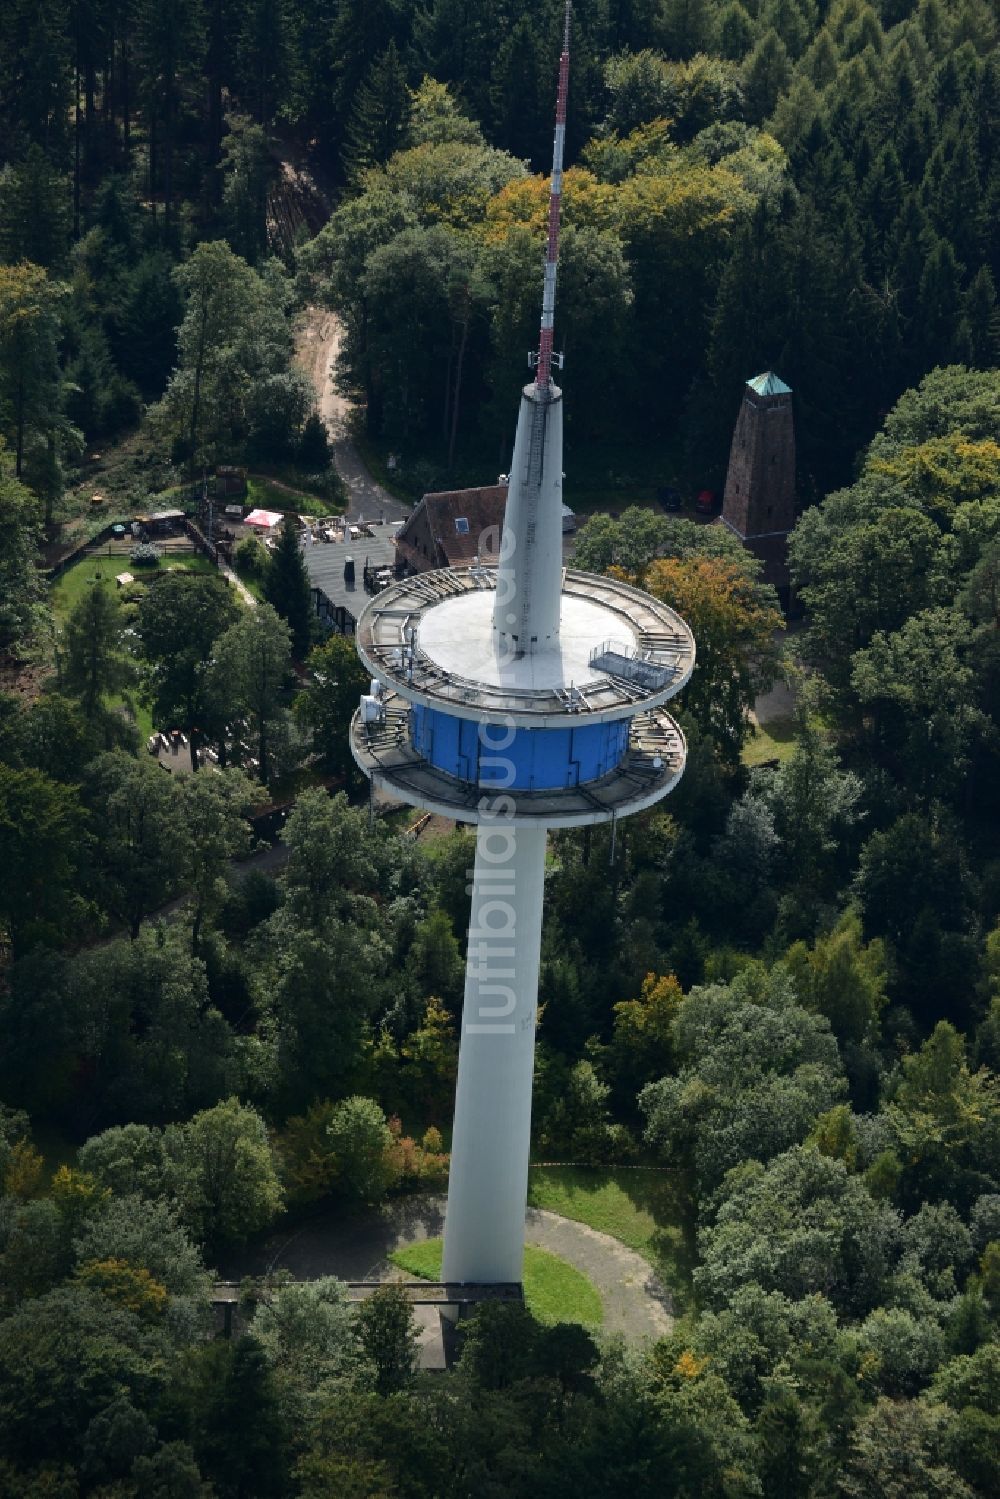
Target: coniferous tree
<point x="906" y="254"/>
<point x="788" y="21"/>
<point x="822" y="61"/>
<point x="287" y="586"/>
<point x="171" y="46"/>
<point x="460" y="40"/>
<point x="939" y="304"/>
<point x="765" y="76"/>
<point x="241" y="1436"/>
<point x="36" y="81"/>
<point x="361" y="32"/>
<point x="380" y="116"/>
<point x="686" y="27"/>
<point x="521" y="96"/>
<point x="247" y="170"/>
<point x="314" y="451"/>
<point x="736" y="30"/>
<point x="222" y="20"/>
<point x="93" y="663"/>
<point x="144" y="324"/>
<point x="982" y="320"/>
<point x="30" y="379"/>
<point x="879" y="201"/>
<point x="266" y="49"/>
<point x="34" y="212"/>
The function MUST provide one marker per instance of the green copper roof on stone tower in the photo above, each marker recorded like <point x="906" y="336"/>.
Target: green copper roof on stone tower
<point x="768" y="384"/>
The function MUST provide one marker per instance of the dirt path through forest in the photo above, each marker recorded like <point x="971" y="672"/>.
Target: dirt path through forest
<point x="319" y="339"/>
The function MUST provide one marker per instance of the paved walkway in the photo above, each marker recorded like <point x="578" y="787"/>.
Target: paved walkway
<point x="635" y="1303"/>
<point x="319" y="342"/>
<point x="779" y="702"/>
<point x="241" y="588"/>
<point x="358" y="1248"/>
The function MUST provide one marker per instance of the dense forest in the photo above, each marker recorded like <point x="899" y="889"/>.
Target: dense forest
<point x="770" y="1010"/>
<point x="806" y="186"/>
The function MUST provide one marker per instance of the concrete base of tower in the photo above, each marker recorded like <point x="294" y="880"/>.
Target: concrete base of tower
<point x="488" y="1180"/>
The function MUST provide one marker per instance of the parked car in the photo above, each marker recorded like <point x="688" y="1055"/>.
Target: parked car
<point x="707" y="501"/>
<point x="669" y="496"/>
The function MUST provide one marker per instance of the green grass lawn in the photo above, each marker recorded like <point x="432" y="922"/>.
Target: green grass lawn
<point x="645" y="1209"/>
<point x="554" y="1291"/>
<point x="100" y="571"/>
<point x="774" y="740"/>
<point x="253" y="585"/>
<point x="267" y="494"/>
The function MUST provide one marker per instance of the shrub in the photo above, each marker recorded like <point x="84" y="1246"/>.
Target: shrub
<point x="416" y="1166"/>
<point x="145" y="555"/>
<point x="361" y="1141"/>
<point x="250" y="558"/>
<point x="308" y="1163"/>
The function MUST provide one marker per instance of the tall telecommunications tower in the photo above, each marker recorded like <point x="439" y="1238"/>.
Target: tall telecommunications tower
<point x="519" y="698"/>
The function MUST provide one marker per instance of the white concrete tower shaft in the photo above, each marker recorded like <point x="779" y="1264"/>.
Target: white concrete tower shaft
<point x="526" y="612"/>
<point x="491" y="1139"/>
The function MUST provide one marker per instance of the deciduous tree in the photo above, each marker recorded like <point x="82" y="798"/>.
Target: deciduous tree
<point x="141" y="843"/>
<point x="247" y="675"/>
<point x="733" y="620"/>
<point x="43" y="828"/>
<point x="388" y="1337"/>
<point x="755" y="1070"/>
<point x="800" y="1225"/>
<point x="214" y="810"/>
<point x="329" y="702"/>
<point x="360" y="1138"/>
<point x="181" y="616"/>
<point x="224" y="1173"/>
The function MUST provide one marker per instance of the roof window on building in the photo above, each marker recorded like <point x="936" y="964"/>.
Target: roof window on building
<point x="462" y="525"/>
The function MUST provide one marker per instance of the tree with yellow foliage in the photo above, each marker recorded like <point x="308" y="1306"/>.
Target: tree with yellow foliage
<point x="733" y="621"/>
<point x="641" y="1047"/>
<point x="128" y="1286"/>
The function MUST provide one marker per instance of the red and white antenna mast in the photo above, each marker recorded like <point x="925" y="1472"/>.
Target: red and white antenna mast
<point x="543" y="377"/>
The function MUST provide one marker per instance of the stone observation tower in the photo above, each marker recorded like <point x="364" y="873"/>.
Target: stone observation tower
<point x="759" y="499"/>
<point x="518" y="697"/>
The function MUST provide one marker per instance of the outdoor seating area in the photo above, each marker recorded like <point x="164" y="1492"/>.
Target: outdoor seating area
<point x="172" y="748"/>
<point x="174" y="742"/>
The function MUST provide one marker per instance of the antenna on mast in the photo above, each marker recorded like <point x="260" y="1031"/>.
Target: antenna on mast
<point x="543" y="377"/>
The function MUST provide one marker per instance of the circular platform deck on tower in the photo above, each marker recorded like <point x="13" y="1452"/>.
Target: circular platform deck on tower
<point x="652" y="766"/>
<point x="430" y="639"/>
<point x="590" y="739"/>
